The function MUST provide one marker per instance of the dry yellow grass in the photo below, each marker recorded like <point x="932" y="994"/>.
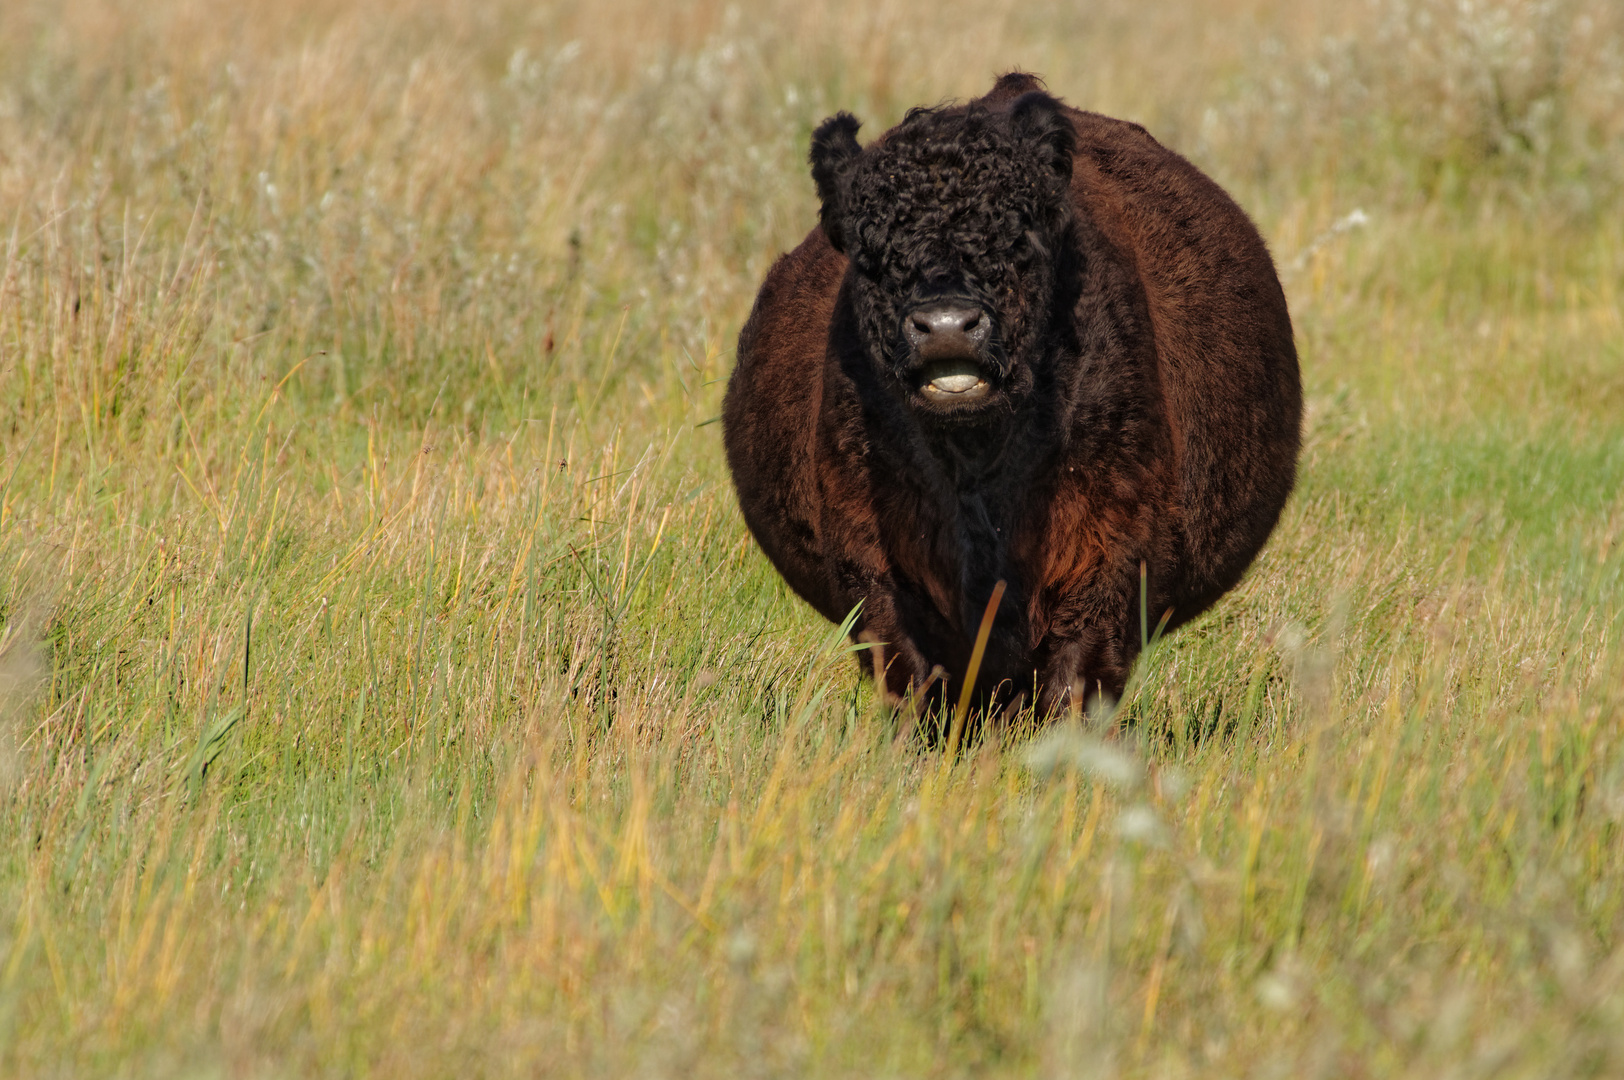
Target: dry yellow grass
<point x="388" y="686"/>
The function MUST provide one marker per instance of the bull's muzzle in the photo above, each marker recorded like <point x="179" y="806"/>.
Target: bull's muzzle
<point x="947" y="342"/>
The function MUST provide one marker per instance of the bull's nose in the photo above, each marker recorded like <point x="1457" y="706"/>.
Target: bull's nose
<point x="946" y="332"/>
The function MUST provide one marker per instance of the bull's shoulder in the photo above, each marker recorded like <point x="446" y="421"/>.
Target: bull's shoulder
<point x="789" y="321"/>
<point x="777" y="380"/>
<point x="805" y="278"/>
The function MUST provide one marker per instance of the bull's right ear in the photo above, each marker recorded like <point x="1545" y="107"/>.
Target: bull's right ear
<point x="834" y="146"/>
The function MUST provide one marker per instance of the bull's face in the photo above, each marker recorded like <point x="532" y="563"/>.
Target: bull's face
<point x="951" y="222"/>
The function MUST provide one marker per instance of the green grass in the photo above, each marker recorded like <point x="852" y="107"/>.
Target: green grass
<point x="388" y="685"/>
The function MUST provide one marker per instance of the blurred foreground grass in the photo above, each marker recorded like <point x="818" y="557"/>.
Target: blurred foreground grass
<point x="388" y="686"/>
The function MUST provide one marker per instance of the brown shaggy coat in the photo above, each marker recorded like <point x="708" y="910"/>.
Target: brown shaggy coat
<point x="1144" y="395"/>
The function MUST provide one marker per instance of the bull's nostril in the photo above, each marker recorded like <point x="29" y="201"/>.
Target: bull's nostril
<point x="946" y="320"/>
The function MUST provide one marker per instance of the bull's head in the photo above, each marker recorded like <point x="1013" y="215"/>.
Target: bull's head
<point x="952" y="222"/>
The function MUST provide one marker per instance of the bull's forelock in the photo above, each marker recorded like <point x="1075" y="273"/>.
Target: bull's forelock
<point x="978" y="182"/>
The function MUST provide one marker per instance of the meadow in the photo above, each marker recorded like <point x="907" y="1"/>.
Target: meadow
<point x="389" y="687"/>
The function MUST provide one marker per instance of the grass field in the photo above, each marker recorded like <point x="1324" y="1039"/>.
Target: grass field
<point x="388" y="685"/>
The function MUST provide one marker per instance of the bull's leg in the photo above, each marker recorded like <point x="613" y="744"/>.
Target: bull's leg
<point x="1081" y="673"/>
<point x="1087" y="655"/>
<point x="895" y="663"/>
<point x="892" y="658"/>
<point x="906" y="682"/>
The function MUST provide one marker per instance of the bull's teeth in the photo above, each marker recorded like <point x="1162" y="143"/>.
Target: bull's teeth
<point x="955" y="384"/>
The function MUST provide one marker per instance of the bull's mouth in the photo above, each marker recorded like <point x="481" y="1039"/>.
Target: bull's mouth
<point x="954" y="382"/>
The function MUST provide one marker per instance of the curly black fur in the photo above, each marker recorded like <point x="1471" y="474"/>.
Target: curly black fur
<point x="963" y="204"/>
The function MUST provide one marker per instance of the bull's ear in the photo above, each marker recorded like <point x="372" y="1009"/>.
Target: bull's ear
<point x="1039" y="121"/>
<point x="834" y="146"/>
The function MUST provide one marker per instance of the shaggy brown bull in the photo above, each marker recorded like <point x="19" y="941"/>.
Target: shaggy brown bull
<point x="1028" y="344"/>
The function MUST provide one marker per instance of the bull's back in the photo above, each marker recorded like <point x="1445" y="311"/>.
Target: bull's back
<point x="1227" y="363"/>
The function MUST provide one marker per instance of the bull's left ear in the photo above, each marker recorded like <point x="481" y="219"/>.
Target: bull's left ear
<point x="1038" y="120"/>
<point x="834" y="146"/>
